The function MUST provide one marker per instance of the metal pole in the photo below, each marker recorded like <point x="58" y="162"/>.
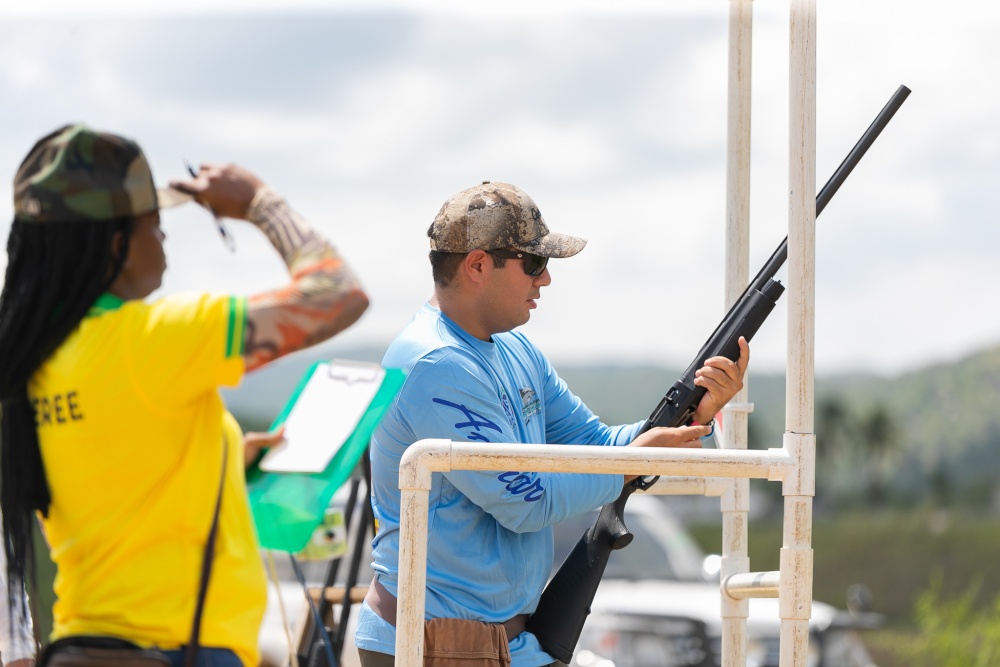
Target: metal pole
<point x="735" y="501"/>
<point x="753" y="585"/>
<point x="795" y="597"/>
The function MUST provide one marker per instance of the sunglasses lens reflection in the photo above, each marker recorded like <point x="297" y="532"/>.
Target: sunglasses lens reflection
<point x="535" y="264"/>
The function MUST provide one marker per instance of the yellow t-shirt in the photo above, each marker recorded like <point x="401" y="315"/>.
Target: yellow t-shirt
<point x="131" y="428"/>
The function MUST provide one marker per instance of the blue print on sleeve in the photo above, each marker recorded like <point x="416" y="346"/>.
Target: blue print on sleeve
<point x="476" y="421"/>
<point x="519" y="483"/>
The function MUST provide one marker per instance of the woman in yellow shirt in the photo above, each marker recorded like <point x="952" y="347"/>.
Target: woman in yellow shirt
<point x="113" y="431"/>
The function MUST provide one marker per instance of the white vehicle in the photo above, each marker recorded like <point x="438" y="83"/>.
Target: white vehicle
<point x="658" y="606"/>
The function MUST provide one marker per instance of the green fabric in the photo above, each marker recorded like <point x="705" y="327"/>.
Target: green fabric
<point x="105" y="303"/>
<point x="287" y="507"/>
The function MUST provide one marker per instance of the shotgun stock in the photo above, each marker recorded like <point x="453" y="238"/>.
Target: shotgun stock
<point x="565" y="603"/>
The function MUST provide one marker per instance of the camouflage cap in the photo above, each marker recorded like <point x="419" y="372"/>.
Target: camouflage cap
<point x="497" y="215"/>
<point x="78" y="175"/>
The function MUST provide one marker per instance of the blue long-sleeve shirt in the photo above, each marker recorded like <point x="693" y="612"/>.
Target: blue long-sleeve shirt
<point x="490" y="539"/>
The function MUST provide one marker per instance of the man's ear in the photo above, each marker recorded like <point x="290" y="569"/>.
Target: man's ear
<point x="475" y="265"/>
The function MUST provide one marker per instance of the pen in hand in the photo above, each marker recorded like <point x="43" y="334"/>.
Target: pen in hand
<point x="226" y="237"/>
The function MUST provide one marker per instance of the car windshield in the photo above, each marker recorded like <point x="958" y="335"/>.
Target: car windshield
<point x="661" y="548"/>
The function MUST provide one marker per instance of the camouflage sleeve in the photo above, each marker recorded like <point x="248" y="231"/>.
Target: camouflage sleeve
<point x="323" y="298"/>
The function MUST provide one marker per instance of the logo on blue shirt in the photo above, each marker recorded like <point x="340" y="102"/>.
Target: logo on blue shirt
<point x="520" y="483"/>
<point x="530" y="405"/>
<point x="476" y="421"/>
<point x="508" y="411"/>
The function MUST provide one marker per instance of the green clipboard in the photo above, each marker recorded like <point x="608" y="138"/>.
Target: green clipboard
<point x="288" y="506"/>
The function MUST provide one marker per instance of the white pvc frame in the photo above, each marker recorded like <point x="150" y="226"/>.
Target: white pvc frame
<point x="724" y="472"/>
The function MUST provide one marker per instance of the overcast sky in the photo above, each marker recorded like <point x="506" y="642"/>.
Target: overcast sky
<point x="612" y="115"/>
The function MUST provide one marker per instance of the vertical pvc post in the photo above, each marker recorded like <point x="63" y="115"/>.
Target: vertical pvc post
<point x="735" y="502"/>
<point x="412" y="575"/>
<point x="795" y="596"/>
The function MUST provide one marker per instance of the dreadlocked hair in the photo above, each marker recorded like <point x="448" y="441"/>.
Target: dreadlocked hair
<point x="55" y="272"/>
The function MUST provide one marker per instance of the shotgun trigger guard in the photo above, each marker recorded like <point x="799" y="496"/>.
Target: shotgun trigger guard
<point x="643" y="483"/>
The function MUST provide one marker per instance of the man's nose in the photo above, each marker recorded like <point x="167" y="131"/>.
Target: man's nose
<point x="544" y="278"/>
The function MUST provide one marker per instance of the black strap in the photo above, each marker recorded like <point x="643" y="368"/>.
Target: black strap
<point x="83" y="641"/>
<point x="191" y="652"/>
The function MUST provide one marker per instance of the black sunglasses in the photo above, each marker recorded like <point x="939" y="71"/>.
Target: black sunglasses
<point x="533" y="264"/>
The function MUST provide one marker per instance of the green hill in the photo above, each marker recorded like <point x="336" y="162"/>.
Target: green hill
<point x="944" y="419"/>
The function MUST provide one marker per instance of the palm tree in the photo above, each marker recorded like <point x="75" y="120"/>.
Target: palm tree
<point x="834" y="427"/>
<point x="878" y="436"/>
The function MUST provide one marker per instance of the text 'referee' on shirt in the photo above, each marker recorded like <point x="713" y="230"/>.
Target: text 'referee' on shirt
<point x="131" y="427"/>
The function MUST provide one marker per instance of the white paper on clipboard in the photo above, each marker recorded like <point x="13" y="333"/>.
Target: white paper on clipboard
<point x="325" y="414"/>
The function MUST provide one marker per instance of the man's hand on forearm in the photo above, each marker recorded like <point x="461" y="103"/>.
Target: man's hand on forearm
<point x="661" y="436"/>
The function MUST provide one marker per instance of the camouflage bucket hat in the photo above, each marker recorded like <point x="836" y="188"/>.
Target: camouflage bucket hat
<point x="497" y="215"/>
<point x="78" y="175"/>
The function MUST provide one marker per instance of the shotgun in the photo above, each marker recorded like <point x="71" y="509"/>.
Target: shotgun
<point x="565" y="603"/>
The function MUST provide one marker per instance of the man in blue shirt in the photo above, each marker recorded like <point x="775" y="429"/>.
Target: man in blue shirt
<point x="471" y="376"/>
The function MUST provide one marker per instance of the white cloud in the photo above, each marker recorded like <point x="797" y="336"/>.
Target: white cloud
<point x="27" y="73"/>
<point x="466" y="8"/>
<point x="932" y="307"/>
<point x="616" y="124"/>
<point x="533" y="147"/>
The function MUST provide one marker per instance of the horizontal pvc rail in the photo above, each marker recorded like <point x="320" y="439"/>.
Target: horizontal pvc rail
<point x="425" y="457"/>
<point x="689" y="486"/>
